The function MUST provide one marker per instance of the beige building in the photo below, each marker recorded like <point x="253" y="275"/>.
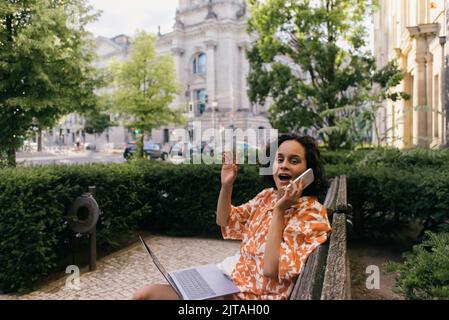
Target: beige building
<point x="413" y="32"/>
<point x="70" y="128"/>
<point x="208" y="44"/>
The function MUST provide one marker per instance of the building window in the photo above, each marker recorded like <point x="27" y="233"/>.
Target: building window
<point x="199" y="64"/>
<point x="200" y="100"/>
<point x="166" y="136"/>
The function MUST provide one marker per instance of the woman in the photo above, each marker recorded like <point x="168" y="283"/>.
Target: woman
<point x="280" y="227"/>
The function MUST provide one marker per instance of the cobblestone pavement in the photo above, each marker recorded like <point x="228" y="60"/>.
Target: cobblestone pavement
<point x="119" y="274"/>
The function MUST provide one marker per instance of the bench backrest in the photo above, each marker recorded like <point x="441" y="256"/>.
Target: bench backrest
<point x="326" y="274"/>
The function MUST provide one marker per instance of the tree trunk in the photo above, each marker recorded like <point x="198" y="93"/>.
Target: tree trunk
<point x="39" y="140"/>
<point x="11" y="150"/>
<point x="142" y="141"/>
<point x="11" y="156"/>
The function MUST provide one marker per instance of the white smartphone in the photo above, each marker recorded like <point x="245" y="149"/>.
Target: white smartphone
<point x="308" y="178"/>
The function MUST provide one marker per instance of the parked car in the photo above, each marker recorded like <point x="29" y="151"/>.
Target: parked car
<point x="152" y="150"/>
<point x="90" y="146"/>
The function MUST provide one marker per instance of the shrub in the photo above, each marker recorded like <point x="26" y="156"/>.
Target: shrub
<point x="33" y="225"/>
<point x="386" y="198"/>
<point x="181" y="200"/>
<point x="29" y="227"/>
<point x="156" y="196"/>
<point x="405" y="158"/>
<point x="424" y="274"/>
<point x="343" y="157"/>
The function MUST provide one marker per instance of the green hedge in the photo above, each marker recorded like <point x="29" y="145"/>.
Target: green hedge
<point x="181" y="199"/>
<point x="343" y="157"/>
<point x="163" y="197"/>
<point x="388" y="157"/>
<point x="386" y="199"/>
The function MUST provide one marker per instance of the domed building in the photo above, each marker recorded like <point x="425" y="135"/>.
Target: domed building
<point x="208" y="44"/>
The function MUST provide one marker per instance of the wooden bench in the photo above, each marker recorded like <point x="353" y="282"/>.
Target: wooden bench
<point x="326" y="274"/>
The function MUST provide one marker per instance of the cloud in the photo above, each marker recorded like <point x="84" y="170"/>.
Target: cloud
<point x="125" y="17"/>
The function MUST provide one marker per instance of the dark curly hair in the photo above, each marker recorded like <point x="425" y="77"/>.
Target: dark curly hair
<point x="313" y="160"/>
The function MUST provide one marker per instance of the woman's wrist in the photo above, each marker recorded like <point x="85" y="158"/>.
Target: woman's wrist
<point x="227" y="186"/>
<point x="278" y="212"/>
<point x="280" y="207"/>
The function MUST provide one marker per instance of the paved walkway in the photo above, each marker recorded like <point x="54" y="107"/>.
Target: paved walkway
<point x="119" y="274"/>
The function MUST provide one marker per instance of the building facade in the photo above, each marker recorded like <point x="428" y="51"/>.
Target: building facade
<point x="208" y="45"/>
<point x="413" y="32"/>
<point x="70" y="128"/>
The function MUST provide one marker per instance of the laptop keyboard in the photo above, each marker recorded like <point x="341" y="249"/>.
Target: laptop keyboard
<point x="193" y="284"/>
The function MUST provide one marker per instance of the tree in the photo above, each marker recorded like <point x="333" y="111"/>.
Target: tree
<point x="310" y="58"/>
<point x="97" y="122"/>
<point x="144" y="86"/>
<point x="385" y="80"/>
<point x="358" y="122"/>
<point x="45" y="66"/>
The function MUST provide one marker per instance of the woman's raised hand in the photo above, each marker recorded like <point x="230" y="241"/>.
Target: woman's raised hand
<point x="229" y="170"/>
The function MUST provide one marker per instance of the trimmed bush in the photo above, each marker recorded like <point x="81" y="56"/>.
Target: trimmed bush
<point x="343" y="157"/>
<point x="424" y="275"/>
<point x="30" y="228"/>
<point x="385" y="199"/>
<point x="386" y="194"/>
<point x="405" y="159"/>
<point x="34" y="234"/>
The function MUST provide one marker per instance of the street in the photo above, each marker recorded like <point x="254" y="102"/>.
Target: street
<point x="68" y="157"/>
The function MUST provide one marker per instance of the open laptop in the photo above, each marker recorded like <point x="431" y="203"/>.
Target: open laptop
<point x="197" y="283"/>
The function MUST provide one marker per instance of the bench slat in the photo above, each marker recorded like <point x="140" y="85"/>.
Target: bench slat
<point x="342" y="201"/>
<point x="335" y="286"/>
<point x="309" y="283"/>
<point x="331" y="196"/>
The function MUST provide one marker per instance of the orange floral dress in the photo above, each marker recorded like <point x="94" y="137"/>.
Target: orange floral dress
<point x="306" y="226"/>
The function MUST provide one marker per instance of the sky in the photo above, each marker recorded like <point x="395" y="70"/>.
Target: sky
<point x="126" y="16"/>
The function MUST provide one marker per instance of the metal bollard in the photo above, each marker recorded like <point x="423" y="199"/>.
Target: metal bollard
<point x="87" y="224"/>
<point x="93" y="239"/>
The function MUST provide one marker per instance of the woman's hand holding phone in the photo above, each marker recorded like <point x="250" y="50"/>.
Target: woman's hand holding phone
<point x="290" y="195"/>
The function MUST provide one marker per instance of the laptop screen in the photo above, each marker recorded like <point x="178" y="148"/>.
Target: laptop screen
<point x="160" y="267"/>
<point x="153" y="256"/>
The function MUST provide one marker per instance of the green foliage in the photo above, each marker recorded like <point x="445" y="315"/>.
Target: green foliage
<point x="406" y="158"/>
<point x="424" y="275"/>
<point x="141" y="194"/>
<point x="97" y="122"/>
<point x="29" y="227"/>
<point x="343" y="156"/>
<point x="310" y="57"/>
<point x="388" y="191"/>
<point x="46" y="66"/>
<point x="144" y="86"/>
